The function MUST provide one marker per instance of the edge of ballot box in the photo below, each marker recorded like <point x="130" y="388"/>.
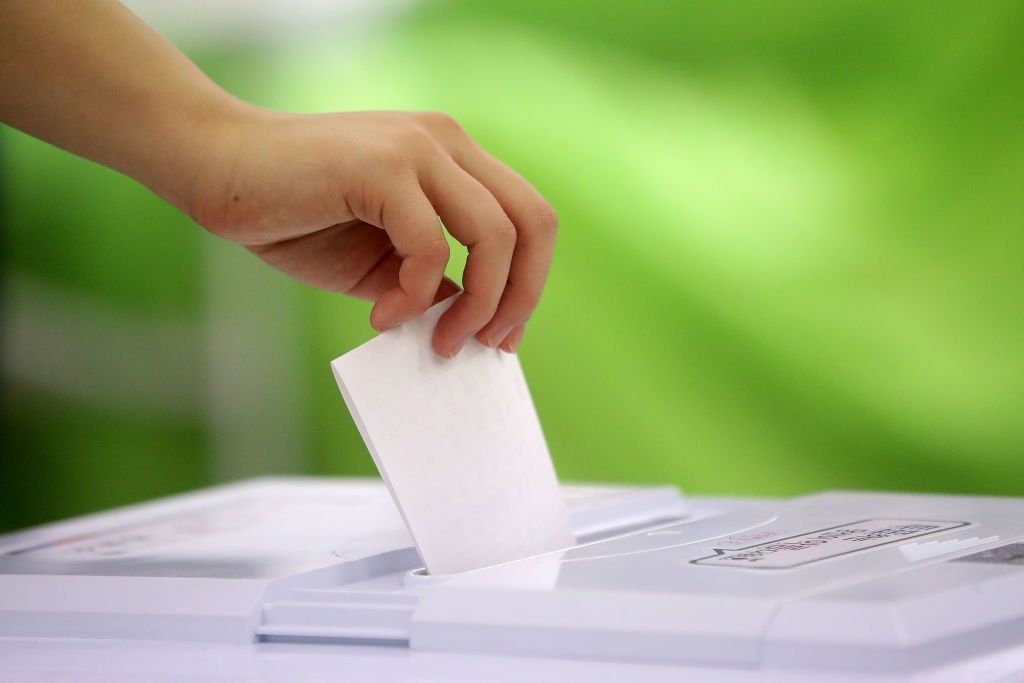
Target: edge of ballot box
<point x="850" y="581"/>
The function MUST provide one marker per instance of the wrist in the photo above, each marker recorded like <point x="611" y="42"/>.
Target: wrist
<point x="202" y="138"/>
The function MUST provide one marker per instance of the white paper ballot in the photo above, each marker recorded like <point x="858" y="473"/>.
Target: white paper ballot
<point x="459" y="445"/>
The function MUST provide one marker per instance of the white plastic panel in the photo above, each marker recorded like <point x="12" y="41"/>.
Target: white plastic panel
<point x="268" y="558"/>
<point x="648" y="596"/>
<point x="891" y="582"/>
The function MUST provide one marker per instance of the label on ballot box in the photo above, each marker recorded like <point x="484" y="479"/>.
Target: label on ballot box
<point x="825" y="544"/>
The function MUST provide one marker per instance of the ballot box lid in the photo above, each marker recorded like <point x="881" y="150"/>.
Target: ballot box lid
<point x="836" y="581"/>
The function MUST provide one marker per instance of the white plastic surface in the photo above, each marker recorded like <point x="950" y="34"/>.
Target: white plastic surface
<point x="853" y="584"/>
<point x="275" y="557"/>
<point x="832" y="589"/>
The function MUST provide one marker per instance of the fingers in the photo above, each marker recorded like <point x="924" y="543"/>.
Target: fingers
<point x="414" y="229"/>
<point x="536" y="226"/>
<point x="507" y="226"/>
<point x="335" y="258"/>
<point x="383" y="277"/>
<point x="475" y="218"/>
<point x="513" y="339"/>
<point x="356" y="258"/>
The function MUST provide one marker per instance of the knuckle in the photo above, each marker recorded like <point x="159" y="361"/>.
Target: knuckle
<point x="422" y="301"/>
<point x="416" y="140"/>
<point x="441" y="121"/>
<point x="546" y="218"/>
<point x="437" y="250"/>
<point x="505" y="231"/>
<point x="392" y="158"/>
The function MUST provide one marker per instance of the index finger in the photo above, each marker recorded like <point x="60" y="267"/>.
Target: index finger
<point x="415" y="229"/>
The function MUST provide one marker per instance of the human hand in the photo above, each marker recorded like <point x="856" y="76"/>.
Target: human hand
<point x="350" y="202"/>
<point x="347" y="202"/>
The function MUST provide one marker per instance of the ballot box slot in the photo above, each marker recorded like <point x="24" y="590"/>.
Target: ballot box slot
<point x="375" y="601"/>
<point x="629" y="528"/>
<point x="369" y="597"/>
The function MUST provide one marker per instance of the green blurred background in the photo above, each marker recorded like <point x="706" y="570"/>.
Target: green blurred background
<point x="791" y="256"/>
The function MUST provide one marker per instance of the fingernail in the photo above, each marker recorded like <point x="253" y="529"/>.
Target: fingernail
<point x="514" y="339"/>
<point x="454" y="349"/>
<point x="495" y="338"/>
<point x="379" y="322"/>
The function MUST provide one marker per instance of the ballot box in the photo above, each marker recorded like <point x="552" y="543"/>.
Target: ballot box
<point x="308" y="579"/>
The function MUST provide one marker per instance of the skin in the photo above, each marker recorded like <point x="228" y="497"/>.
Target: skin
<point x="348" y="202"/>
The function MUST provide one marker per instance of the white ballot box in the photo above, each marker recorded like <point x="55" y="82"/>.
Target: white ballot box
<point x="317" y="579"/>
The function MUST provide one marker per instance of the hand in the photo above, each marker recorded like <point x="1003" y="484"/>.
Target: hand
<point x="350" y="203"/>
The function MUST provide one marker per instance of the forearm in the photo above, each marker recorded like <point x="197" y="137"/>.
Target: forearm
<point x="90" y="77"/>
